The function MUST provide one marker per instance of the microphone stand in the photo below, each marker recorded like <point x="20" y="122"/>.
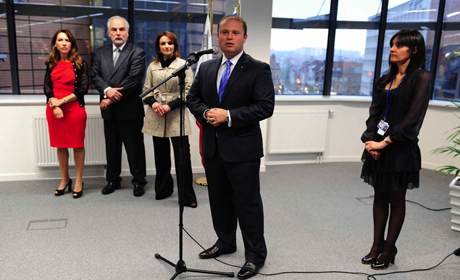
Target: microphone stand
<point x="181" y="266"/>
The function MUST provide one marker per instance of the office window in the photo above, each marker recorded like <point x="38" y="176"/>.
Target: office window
<point x="36" y="23"/>
<point x="447" y="82"/>
<point x="354" y="61"/>
<point x="301" y="9"/>
<point x="298" y="60"/>
<point x="298" y="55"/>
<point x="37" y="20"/>
<point x="359" y="10"/>
<point x="188" y="33"/>
<point x="412" y="10"/>
<point x="5" y="73"/>
<point x="355" y="49"/>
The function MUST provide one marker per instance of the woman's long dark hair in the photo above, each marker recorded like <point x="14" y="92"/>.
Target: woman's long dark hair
<point x="73" y="53"/>
<point x="414" y="41"/>
<point x="171" y="37"/>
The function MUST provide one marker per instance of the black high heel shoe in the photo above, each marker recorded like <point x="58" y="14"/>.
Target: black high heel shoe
<point x="59" y="192"/>
<point x="379" y="266"/>
<point x="369" y="260"/>
<point x="80" y="193"/>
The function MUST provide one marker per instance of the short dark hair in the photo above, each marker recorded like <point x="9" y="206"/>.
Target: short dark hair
<point x="414" y="41"/>
<point x="240" y="19"/>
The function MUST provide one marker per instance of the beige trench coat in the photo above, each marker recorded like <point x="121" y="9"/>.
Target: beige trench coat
<point x="167" y="125"/>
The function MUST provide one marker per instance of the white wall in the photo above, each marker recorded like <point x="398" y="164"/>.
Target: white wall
<point x="343" y="143"/>
<point x="347" y="123"/>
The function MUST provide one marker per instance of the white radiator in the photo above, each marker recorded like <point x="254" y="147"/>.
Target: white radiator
<point x="94" y="142"/>
<point x="297" y="132"/>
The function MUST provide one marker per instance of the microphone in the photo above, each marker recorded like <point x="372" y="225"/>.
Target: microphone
<point x="214" y="50"/>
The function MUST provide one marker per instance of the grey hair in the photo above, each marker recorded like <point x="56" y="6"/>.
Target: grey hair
<point x="119" y="17"/>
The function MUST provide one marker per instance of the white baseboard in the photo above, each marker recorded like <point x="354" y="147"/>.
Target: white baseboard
<point x="51" y="173"/>
<point x="312" y="160"/>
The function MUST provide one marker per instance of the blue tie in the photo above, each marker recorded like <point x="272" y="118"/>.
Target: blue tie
<point x="224" y="79"/>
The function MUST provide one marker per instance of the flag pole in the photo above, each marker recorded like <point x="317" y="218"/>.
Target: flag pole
<point x="238" y="8"/>
<point x="210" y="14"/>
<point x="202" y="180"/>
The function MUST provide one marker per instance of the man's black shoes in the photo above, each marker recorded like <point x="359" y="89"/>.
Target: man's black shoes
<point x="111" y="187"/>
<point x="138" y="190"/>
<point x="214" y="252"/>
<point x="249" y="270"/>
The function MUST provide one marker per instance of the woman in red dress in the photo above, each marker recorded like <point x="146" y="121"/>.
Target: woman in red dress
<point x="66" y="83"/>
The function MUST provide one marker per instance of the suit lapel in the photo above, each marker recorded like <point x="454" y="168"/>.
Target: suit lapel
<point x="239" y="68"/>
<point x="214" y="71"/>
<point x="109" y="58"/>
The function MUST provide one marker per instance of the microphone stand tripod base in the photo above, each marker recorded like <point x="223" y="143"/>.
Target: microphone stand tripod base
<point x="202" y="181"/>
<point x="181" y="268"/>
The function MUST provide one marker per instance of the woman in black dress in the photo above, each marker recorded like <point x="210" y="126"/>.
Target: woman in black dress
<point x="392" y="159"/>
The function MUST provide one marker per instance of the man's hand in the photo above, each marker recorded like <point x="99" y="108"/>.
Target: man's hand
<point x="105" y="103"/>
<point x="58" y="114"/>
<point x="113" y="93"/>
<point x="216" y="116"/>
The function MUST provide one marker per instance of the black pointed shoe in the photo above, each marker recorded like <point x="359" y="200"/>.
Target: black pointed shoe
<point x="249" y="270"/>
<point x="214" y="252"/>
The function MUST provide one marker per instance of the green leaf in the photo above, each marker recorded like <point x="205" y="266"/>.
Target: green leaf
<point x="447" y="149"/>
<point x="447" y="169"/>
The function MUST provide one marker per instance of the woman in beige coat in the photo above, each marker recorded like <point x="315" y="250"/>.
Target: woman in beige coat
<point x="162" y="119"/>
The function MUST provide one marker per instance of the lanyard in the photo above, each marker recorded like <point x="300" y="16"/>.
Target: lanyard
<point x="391" y="101"/>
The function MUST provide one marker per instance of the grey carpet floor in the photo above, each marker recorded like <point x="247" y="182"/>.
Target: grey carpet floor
<point x="317" y="218"/>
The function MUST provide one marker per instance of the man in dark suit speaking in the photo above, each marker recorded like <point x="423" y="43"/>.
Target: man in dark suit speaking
<point x="117" y="73"/>
<point x="229" y="97"/>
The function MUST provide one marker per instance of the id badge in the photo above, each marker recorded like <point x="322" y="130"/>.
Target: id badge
<point x="383" y="127"/>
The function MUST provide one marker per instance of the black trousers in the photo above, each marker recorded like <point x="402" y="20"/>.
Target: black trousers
<point x="234" y="195"/>
<point x="164" y="186"/>
<point x="129" y="133"/>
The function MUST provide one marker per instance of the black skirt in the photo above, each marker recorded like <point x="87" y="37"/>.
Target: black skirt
<point x="397" y="168"/>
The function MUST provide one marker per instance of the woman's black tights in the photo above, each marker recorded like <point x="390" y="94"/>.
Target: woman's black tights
<point x="392" y="204"/>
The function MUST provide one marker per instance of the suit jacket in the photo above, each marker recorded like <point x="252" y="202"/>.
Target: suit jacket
<point x="250" y="97"/>
<point x="127" y="73"/>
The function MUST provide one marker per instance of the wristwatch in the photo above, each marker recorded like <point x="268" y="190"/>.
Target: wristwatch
<point x="227" y="118"/>
<point x="65" y="100"/>
<point x="386" y="140"/>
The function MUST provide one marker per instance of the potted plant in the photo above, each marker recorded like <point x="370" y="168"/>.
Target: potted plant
<point x="448" y="169"/>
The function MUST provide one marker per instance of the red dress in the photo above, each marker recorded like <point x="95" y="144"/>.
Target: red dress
<point x="69" y="131"/>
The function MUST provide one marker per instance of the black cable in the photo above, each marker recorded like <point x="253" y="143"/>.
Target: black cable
<point x="279" y="273"/>
<point x="369" y="276"/>
<point x="431" y="209"/>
